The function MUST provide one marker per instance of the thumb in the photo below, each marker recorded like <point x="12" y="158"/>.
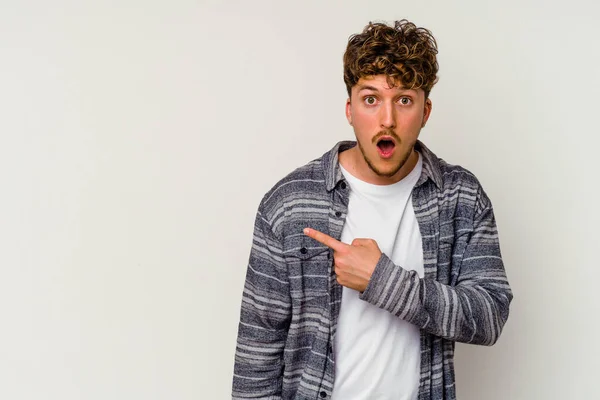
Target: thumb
<point x="360" y="242"/>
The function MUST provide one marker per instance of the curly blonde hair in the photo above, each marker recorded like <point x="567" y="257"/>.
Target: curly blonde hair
<point x="403" y="52"/>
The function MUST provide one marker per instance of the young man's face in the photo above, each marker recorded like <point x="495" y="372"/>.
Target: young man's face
<point x="387" y="122"/>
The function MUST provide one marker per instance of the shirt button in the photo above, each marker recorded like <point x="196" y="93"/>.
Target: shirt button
<point x="338" y="214"/>
<point x="343" y="185"/>
<point x="323" y="395"/>
<point x="303" y="250"/>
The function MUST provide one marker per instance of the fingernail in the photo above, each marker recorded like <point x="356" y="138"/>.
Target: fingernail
<point x="306" y="230"/>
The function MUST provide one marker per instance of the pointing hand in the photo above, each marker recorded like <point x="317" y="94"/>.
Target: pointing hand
<point x="353" y="264"/>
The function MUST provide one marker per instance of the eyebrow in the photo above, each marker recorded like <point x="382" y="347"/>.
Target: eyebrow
<point x="367" y="87"/>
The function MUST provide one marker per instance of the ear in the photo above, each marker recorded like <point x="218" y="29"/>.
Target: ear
<point x="349" y="111"/>
<point x="426" y="111"/>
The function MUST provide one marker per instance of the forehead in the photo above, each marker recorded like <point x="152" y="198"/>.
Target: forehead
<point x="382" y="83"/>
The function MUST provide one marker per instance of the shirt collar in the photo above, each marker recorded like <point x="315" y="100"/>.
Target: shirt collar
<point x="333" y="173"/>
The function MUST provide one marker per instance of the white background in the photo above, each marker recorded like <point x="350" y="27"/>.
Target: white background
<point x="137" y="138"/>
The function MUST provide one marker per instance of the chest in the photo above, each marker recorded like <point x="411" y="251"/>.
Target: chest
<point x="421" y="222"/>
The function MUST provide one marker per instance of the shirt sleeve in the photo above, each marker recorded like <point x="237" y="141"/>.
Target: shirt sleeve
<point x="264" y="318"/>
<point x="472" y="311"/>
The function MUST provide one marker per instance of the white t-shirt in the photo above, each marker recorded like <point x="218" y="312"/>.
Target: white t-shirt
<point x="378" y="354"/>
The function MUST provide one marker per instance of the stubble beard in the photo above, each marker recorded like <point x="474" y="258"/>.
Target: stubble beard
<point x="391" y="173"/>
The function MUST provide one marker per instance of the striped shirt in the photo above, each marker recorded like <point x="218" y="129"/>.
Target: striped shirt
<point x="291" y="298"/>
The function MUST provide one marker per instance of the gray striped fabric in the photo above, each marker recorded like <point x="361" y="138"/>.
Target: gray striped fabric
<point x="291" y="298"/>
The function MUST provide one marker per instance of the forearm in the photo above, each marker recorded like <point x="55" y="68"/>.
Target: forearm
<point x="473" y="311"/>
<point x="258" y="368"/>
<point x="262" y="331"/>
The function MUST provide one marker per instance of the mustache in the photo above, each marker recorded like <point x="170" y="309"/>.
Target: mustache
<point x="386" y="132"/>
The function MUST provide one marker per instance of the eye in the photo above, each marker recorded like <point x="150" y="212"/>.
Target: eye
<point x="405" y="101"/>
<point x="370" y="100"/>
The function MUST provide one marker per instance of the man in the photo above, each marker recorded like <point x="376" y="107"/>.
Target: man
<point x="369" y="263"/>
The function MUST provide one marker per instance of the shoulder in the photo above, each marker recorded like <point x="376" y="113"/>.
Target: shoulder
<point x="461" y="186"/>
<point x="456" y="176"/>
<point x="303" y="187"/>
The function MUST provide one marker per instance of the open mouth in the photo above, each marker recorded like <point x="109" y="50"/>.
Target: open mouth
<point x="386" y="147"/>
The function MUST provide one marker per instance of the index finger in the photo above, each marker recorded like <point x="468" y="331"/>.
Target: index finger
<point x="327" y="240"/>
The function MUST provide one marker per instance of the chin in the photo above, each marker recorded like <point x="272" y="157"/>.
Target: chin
<point x="385" y="170"/>
<point x="389" y="172"/>
<point x="389" y="168"/>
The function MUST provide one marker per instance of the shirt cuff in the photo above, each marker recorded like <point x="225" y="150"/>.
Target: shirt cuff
<point x="386" y="280"/>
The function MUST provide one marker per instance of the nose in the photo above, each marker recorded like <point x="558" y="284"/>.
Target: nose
<point x="388" y="116"/>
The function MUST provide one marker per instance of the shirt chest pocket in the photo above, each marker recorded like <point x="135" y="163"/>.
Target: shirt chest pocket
<point x="309" y="265"/>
